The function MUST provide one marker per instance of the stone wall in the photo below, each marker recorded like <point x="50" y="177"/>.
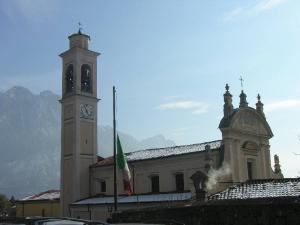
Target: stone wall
<point x="284" y="211"/>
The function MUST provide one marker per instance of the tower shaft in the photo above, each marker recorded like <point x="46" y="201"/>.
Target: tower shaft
<point x="78" y="120"/>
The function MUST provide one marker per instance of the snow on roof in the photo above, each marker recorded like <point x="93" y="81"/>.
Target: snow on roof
<point x="166" y="197"/>
<point x="156" y="153"/>
<point x="47" y="195"/>
<point x="288" y="187"/>
<point x="171" y="151"/>
<point x="163" y="152"/>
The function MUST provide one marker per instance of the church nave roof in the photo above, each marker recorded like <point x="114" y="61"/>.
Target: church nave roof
<point x="157" y="153"/>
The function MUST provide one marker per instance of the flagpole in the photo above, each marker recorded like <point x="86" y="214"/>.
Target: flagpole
<point x="115" y="158"/>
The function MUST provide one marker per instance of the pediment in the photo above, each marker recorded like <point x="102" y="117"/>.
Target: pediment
<point x="248" y="120"/>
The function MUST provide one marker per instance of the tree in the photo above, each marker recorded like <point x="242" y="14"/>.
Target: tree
<point x="5" y="205"/>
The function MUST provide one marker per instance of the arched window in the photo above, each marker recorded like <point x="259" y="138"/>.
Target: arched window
<point x="69" y="79"/>
<point x="86" y="78"/>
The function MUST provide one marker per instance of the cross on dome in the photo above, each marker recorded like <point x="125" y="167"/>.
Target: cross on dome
<point x="242" y="80"/>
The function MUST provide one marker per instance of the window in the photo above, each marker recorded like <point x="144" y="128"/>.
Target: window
<point x="179" y="182"/>
<point x="155" y="184"/>
<point x="86" y="78"/>
<point x="69" y="79"/>
<point x="102" y="186"/>
<point x="250" y="170"/>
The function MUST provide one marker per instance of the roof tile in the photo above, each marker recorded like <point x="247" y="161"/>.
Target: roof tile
<point x="163" y="152"/>
<point x="270" y="188"/>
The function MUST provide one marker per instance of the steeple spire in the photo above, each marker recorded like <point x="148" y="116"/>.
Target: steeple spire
<point x="228" y="107"/>
<point x="260" y="106"/>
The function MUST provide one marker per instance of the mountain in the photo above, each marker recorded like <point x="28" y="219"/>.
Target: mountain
<point x="29" y="137"/>
<point x="30" y="142"/>
<point x="129" y="143"/>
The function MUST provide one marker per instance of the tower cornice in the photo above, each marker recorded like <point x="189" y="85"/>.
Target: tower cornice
<point x="71" y="50"/>
<point x="62" y="100"/>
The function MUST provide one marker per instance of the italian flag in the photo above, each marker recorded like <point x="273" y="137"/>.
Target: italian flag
<point x="122" y="165"/>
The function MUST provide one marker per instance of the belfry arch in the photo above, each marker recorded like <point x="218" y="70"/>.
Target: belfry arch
<point x="86" y="78"/>
<point x="69" y="79"/>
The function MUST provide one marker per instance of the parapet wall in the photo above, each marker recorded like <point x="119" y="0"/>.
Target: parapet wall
<point x="280" y="211"/>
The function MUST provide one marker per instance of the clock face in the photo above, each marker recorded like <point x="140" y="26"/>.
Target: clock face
<point x="86" y="111"/>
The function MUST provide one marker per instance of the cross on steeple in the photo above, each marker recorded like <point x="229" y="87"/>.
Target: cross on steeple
<point x="79" y="28"/>
<point x="242" y="80"/>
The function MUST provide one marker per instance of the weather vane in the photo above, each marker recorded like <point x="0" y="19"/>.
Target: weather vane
<point x="80" y="27"/>
<point x="242" y="80"/>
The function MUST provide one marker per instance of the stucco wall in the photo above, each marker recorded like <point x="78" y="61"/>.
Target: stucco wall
<point x="35" y="208"/>
<point x="166" y="168"/>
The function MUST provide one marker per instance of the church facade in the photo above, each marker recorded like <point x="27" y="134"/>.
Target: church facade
<point x="160" y="177"/>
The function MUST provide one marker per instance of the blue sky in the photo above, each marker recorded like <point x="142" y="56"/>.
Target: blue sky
<point x="169" y="60"/>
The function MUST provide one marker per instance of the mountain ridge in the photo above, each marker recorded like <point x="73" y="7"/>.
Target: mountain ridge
<point x="30" y="141"/>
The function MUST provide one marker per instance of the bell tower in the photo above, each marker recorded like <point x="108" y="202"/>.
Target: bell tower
<point x="78" y="119"/>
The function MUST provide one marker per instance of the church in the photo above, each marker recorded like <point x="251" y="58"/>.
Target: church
<point x="160" y="177"/>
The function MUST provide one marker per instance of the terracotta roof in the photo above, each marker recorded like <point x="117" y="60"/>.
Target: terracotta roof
<point x="47" y="195"/>
<point x="157" y="153"/>
<point x="99" y="158"/>
<point x="269" y="188"/>
<point x="106" y="161"/>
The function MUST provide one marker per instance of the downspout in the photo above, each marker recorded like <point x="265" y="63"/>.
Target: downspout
<point x="133" y="180"/>
<point x="69" y="206"/>
<point x="51" y="201"/>
<point x="90" y="183"/>
<point x="90" y="213"/>
<point x="23" y="209"/>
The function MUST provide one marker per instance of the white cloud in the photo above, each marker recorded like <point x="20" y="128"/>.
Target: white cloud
<point x="181" y="133"/>
<point x="261" y="6"/>
<point x="229" y="16"/>
<point x="31" y="10"/>
<point x="285" y="104"/>
<point x="173" y="97"/>
<point x="195" y="106"/>
<point x="200" y="110"/>
<point x="267" y="5"/>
